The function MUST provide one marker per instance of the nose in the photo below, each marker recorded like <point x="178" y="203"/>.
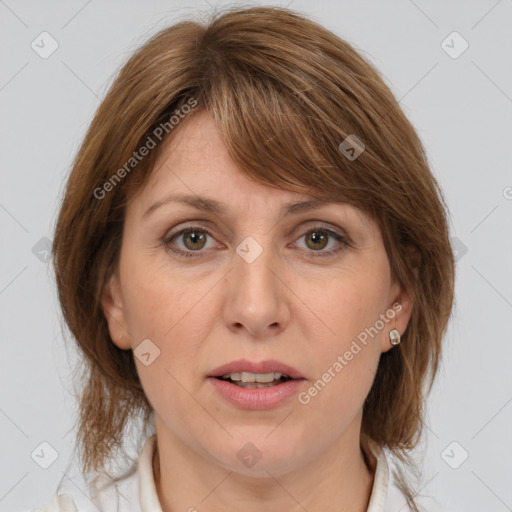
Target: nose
<point x="256" y="296"/>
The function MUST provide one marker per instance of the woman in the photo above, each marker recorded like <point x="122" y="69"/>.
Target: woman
<point x="253" y="257"/>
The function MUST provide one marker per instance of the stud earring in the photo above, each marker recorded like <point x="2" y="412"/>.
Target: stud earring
<point x="394" y="337"/>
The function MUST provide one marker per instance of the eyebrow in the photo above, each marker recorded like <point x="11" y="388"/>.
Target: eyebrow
<point x="207" y="204"/>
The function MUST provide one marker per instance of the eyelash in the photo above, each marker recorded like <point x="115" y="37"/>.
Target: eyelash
<point x="343" y="242"/>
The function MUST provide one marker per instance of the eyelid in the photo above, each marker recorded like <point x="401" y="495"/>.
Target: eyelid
<point x="322" y="224"/>
<point x="197" y="225"/>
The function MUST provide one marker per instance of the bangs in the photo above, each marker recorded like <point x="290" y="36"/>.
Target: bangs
<point x="269" y="134"/>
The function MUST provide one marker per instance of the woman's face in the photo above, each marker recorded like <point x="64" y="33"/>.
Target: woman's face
<point x="306" y="293"/>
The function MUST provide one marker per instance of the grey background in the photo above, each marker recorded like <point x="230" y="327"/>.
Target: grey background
<point x="460" y="106"/>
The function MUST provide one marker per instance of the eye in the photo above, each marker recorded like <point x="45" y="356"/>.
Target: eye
<point x="319" y="237"/>
<point x="193" y="239"/>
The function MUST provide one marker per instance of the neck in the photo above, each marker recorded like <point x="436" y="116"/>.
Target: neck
<point x="338" y="481"/>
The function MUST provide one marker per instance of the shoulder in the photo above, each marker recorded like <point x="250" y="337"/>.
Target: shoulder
<point x="386" y="494"/>
<point x="395" y="499"/>
<point x="60" y="503"/>
<point x="122" y="496"/>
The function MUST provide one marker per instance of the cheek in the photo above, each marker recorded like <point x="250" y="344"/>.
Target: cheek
<point x="348" y="304"/>
<point x="176" y="315"/>
<point x="158" y="298"/>
<point x="346" y="354"/>
<point x="176" y="311"/>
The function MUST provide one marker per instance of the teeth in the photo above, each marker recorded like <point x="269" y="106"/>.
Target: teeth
<point x="253" y="377"/>
<point x="233" y="376"/>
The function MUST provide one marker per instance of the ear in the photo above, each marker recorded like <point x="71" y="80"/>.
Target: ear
<point x="112" y="305"/>
<point x="401" y="303"/>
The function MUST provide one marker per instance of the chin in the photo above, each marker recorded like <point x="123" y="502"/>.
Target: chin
<point x="255" y="453"/>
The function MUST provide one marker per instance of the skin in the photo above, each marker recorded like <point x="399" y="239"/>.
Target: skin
<point x="211" y="309"/>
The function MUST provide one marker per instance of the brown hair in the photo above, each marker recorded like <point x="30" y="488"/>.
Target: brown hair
<point x="284" y="93"/>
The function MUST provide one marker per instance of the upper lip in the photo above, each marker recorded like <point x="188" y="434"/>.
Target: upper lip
<point x="267" y="366"/>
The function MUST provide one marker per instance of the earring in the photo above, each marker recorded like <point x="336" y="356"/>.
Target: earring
<point x="394" y="337"/>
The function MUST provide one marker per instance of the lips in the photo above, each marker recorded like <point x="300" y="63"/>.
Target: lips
<point x="256" y="385"/>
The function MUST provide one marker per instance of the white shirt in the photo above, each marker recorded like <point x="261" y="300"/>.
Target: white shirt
<point x="137" y="491"/>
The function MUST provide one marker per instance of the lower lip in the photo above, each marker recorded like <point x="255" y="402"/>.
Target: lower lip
<point x="257" y="398"/>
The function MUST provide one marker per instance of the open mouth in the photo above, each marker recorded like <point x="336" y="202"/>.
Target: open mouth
<point x="255" y="380"/>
